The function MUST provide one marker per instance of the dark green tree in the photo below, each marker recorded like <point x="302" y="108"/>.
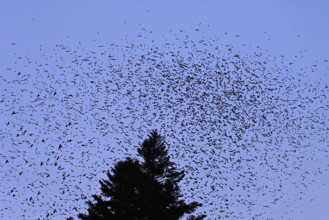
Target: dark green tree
<point x="156" y="159"/>
<point x="142" y="191"/>
<point x="124" y="188"/>
<point x="156" y="162"/>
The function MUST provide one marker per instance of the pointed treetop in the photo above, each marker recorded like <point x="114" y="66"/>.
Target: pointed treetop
<point x="156" y="159"/>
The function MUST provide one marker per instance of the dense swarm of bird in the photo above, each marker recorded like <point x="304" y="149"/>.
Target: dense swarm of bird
<point x="249" y="129"/>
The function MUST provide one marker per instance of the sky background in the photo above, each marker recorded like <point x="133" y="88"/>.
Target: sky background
<point x="293" y="31"/>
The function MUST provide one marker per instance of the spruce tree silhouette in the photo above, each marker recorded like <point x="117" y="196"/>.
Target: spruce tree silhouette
<point x="137" y="191"/>
<point x="157" y="163"/>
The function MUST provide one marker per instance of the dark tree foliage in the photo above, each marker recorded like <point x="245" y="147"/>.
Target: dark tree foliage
<point x="142" y="191"/>
<point x="156" y="159"/>
<point x="157" y="163"/>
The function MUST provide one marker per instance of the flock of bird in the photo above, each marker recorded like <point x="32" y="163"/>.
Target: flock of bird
<point x="242" y="125"/>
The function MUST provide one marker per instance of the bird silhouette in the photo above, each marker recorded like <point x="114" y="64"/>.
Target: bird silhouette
<point x="241" y="124"/>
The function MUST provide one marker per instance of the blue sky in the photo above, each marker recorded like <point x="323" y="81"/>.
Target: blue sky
<point x="293" y="31"/>
<point x="51" y="23"/>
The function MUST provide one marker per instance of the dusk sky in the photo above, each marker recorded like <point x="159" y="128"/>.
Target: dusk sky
<point x="97" y="76"/>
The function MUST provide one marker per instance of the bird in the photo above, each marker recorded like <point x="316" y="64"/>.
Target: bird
<point x="239" y="123"/>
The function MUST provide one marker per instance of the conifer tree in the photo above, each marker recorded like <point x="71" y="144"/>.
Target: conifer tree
<point x="124" y="188"/>
<point x="157" y="163"/>
<point x="156" y="159"/>
<point x="142" y="191"/>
